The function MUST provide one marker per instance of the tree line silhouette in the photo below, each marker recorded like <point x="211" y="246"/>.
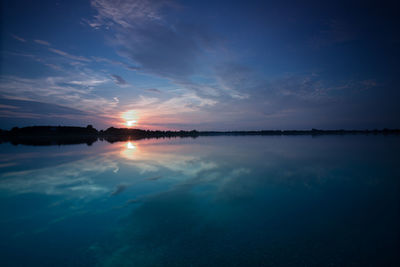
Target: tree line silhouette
<point x="64" y="135"/>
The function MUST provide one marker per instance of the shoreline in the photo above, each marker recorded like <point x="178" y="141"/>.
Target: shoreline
<point x="65" y="135"/>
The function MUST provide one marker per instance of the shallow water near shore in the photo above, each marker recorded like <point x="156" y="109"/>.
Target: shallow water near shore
<point x="208" y="201"/>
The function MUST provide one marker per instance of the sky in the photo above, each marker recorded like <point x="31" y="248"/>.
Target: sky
<point x="205" y="65"/>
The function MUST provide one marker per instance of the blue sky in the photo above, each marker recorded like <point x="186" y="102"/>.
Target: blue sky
<point x="206" y="65"/>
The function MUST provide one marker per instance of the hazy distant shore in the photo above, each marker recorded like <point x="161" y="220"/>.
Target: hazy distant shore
<point x="64" y="135"/>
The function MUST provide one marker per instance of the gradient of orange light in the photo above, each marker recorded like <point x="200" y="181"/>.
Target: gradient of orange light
<point x="153" y="118"/>
<point x="130" y="118"/>
<point x="129" y="150"/>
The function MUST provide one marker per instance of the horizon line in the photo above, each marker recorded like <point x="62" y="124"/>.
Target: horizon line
<point x="89" y="126"/>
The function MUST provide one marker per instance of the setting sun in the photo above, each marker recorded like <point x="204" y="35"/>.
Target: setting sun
<point x="130" y="123"/>
<point x="130" y="118"/>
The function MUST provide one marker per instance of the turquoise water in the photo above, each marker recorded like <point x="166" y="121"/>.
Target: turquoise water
<point x="209" y="201"/>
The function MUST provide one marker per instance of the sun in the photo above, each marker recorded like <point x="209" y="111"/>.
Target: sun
<point x="131" y="123"/>
<point x="130" y="117"/>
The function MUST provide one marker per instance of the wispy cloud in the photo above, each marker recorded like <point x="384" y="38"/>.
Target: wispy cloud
<point x="167" y="108"/>
<point x="18" y="38"/>
<point x="42" y="42"/>
<point x="124" y="13"/>
<point x="116" y="63"/>
<point x="43" y="60"/>
<point x="67" y="55"/>
<point x="8" y="107"/>
<point x="148" y="38"/>
<point x="74" y="91"/>
<point x="88" y="82"/>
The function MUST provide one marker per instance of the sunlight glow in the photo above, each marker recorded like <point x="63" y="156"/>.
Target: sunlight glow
<point x="130" y="123"/>
<point x="129" y="151"/>
<point x="129" y="145"/>
<point x="130" y="118"/>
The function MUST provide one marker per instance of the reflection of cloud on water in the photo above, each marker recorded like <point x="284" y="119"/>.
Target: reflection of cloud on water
<point x="181" y="164"/>
<point x="203" y="207"/>
<point x="157" y="228"/>
<point x="152" y="158"/>
<point x="70" y="178"/>
<point x="8" y="164"/>
<point x="119" y="189"/>
<point x="80" y="178"/>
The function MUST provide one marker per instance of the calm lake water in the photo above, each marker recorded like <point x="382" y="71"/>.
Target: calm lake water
<point x="209" y="201"/>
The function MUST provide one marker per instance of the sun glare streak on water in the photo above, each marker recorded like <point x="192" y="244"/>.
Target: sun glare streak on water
<point x="129" y="145"/>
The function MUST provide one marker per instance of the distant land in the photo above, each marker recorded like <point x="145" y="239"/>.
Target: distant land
<point x="64" y="135"/>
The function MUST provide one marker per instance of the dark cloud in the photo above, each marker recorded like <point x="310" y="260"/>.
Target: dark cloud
<point x="40" y="107"/>
<point x="119" y="189"/>
<point x="153" y="90"/>
<point x="119" y="80"/>
<point x="26" y="112"/>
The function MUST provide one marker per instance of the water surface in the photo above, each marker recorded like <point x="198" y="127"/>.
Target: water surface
<point x="209" y="201"/>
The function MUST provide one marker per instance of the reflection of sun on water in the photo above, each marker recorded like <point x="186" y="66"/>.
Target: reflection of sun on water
<point x="130" y="151"/>
<point x="129" y="145"/>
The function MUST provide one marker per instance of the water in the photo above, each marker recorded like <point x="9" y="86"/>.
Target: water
<point x="210" y="201"/>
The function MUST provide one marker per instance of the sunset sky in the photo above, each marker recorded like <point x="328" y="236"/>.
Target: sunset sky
<point x="205" y="65"/>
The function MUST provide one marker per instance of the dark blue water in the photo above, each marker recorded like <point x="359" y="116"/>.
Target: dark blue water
<point x="210" y="201"/>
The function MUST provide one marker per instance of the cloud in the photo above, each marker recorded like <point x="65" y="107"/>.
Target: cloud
<point x="237" y="80"/>
<point x="116" y="63"/>
<point x="42" y="42"/>
<point x="88" y="82"/>
<point x="65" y="54"/>
<point x="161" y="46"/>
<point x="53" y="66"/>
<point x="75" y="87"/>
<point x="176" y="108"/>
<point x="36" y="110"/>
<point x="143" y="34"/>
<point x="38" y="58"/>
<point x="18" y="38"/>
<point x="2" y="106"/>
<point x="74" y="90"/>
<point x="118" y="79"/>
<point x="124" y="13"/>
<point x="161" y="50"/>
<point x="72" y="178"/>
<point x="153" y="90"/>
